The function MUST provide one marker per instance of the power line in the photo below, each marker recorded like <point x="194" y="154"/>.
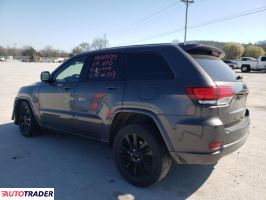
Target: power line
<point x="140" y="21"/>
<point x="230" y="17"/>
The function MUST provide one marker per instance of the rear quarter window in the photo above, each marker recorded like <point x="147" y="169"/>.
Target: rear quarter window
<point x="217" y="69"/>
<point x="147" y="66"/>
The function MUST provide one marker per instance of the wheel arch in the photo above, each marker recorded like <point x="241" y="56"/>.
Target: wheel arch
<point x="17" y="103"/>
<point x="127" y="116"/>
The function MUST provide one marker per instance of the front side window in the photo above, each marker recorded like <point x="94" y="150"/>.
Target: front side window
<point x="71" y="71"/>
<point x="147" y="66"/>
<point x="106" y="67"/>
<point x="263" y="58"/>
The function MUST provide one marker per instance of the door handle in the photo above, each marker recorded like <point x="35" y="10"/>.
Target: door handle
<point x="112" y="87"/>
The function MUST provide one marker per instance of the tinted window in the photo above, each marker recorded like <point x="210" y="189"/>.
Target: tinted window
<point x="71" y="70"/>
<point x="147" y="66"/>
<point x="217" y="69"/>
<point x="108" y="66"/>
<point x="263" y="58"/>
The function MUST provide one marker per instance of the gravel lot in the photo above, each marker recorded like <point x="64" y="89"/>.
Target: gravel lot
<point x="81" y="169"/>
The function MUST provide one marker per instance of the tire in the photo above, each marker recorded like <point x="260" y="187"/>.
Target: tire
<point x="245" y="68"/>
<point x="140" y="155"/>
<point x="27" y="122"/>
<point x="232" y="67"/>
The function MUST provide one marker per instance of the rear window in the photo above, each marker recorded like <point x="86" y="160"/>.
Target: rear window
<point x="217" y="69"/>
<point x="147" y="66"/>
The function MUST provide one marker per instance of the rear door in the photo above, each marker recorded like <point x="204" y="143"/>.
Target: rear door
<point x="100" y="95"/>
<point x="224" y="76"/>
<point x="262" y="63"/>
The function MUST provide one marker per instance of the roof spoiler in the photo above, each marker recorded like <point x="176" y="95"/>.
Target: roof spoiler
<point x="201" y="49"/>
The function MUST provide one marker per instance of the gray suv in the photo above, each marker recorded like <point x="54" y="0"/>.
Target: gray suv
<point x="151" y="103"/>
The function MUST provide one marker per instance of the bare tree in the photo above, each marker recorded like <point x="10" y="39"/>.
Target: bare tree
<point x="48" y="51"/>
<point x="99" y="43"/>
<point x="84" y="46"/>
<point x="175" y="41"/>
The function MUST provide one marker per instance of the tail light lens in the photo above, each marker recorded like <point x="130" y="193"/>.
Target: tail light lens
<point x="211" y="95"/>
<point x="215" y="145"/>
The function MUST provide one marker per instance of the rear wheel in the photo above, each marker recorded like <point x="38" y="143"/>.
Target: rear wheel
<point x="27" y="122"/>
<point x="245" y="68"/>
<point x="140" y="155"/>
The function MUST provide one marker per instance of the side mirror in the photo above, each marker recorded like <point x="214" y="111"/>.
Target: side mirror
<point x="45" y="76"/>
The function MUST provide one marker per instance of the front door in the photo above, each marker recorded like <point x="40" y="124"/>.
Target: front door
<point x="57" y="97"/>
<point x="100" y="95"/>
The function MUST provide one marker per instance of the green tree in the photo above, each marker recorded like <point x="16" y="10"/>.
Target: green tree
<point x="2" y="51"/>
<point x="28" y="51"/>
<point x="233" y="50"/>
<point x="254" y="51"/>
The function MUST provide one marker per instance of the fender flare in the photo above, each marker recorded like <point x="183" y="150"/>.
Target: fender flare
<point x="15" y="107"/>
<point x="156" y="120"/>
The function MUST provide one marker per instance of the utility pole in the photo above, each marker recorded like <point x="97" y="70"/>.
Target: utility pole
<point x="187" y="2"/>
<point x="104" y="36"/>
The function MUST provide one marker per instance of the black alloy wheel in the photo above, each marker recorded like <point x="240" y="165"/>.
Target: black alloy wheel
<point x="140" y="155"/>
<point x="27" y="123"/>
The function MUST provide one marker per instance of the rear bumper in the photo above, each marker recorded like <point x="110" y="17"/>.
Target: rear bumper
<point x="238" y="136"/>
<point x="207" y="158"/>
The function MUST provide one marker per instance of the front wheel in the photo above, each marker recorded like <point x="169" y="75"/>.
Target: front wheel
<point x="27" y="122"/>
<point x="140" y="155"/>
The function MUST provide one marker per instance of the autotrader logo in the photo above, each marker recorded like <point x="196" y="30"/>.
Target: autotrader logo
<point x="26" y="193"/>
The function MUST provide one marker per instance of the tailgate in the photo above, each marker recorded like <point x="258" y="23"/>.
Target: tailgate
<point x="222" y="75"/>
<point x="235" y="111"/>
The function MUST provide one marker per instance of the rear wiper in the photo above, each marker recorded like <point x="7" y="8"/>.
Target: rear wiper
<point x="239" y="77"/>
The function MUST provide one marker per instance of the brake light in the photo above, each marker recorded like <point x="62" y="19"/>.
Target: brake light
<point x="210" y="95"/>
<point x="215" y="145"/>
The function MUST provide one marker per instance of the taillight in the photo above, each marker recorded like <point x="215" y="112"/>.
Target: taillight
<point x="211" y="95"/>
<point x="215" y="145"/>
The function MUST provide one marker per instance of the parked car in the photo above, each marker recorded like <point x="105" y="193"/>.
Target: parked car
<point x="58" y="60"/>
<point x="2" y="59"/>
<point x="231" y="64"/>
<point x="151" y="103"/>
<point x="247" y="64"/>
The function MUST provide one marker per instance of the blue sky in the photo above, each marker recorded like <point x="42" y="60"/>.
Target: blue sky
<point x="65" y="24"/>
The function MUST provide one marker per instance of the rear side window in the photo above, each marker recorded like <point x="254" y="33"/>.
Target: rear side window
<point x="147" y="66"/>
<point x="108" y="66"/>
<point x="217" y="69"/>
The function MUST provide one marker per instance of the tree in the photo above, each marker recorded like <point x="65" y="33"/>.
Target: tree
<point x="175" y="41"/>
<point x="28" y="51"/>
<point x="2" y="51"/>
<point x="84" y="46"/>
<point x="233" y="50"/>
<point x="99" y="43"/>
<point x="49" y="52"/>
<point x="254" y="51"/>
